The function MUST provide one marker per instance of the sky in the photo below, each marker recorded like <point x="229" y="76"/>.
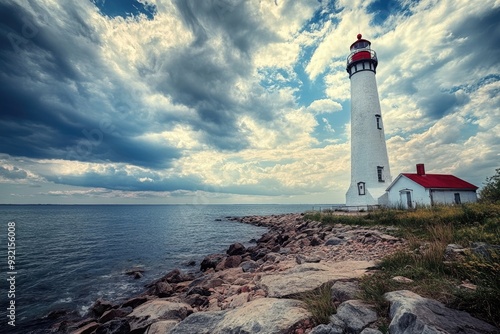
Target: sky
<point x="236" y="101"/>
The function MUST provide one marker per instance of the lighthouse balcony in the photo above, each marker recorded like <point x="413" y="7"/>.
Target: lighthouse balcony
<point x="359" y="55"/>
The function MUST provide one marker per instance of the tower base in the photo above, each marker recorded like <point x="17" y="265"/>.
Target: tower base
<point x="373" y="197"/>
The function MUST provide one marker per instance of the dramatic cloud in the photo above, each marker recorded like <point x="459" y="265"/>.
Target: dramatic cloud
<point x="235" y="101"/>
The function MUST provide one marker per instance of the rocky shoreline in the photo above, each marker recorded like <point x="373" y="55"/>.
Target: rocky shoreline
<point x="253" y="289"/>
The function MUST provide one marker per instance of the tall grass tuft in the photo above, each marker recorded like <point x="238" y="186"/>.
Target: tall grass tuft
<point x="319" y="302"/>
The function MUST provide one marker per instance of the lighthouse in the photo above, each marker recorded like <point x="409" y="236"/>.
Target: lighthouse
<point x="370" y="173"/>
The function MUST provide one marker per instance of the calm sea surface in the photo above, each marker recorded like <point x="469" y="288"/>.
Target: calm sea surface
<point x="68" y="256"/>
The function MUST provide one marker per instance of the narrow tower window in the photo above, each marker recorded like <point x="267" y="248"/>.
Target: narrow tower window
<point x="379" y="122"/>
<point x="380" y="173"/>
<point x="361" y="188"/>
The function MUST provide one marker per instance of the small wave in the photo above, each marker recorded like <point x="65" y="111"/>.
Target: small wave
<point x="83" y="310"/>
<point x="65" y="300"/>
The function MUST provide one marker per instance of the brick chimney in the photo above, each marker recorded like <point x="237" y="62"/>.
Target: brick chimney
<point x="420" y="169"/>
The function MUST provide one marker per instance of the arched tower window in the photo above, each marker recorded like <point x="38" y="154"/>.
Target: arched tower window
<point x="361" y="188"/>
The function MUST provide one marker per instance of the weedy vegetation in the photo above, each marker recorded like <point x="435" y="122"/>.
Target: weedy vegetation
<point x="428" y="231"/>
<point x="320" y="303"/>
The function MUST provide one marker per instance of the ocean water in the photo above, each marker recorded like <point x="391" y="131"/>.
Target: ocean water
<point x="68" y="256"/>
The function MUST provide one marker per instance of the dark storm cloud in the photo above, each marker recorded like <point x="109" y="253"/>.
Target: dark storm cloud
<point x="47" y="93"/>
<point x="203" y="75"/>
<point x="51" y="67"/>
<point x="440" y="104"/>
<point x="481" y="34"/>
<point x="236" y="21"/>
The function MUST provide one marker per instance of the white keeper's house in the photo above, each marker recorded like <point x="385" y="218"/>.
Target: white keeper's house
<point x="411" y="189"/>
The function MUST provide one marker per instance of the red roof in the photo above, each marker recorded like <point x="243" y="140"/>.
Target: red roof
<point x="440" y="181"/>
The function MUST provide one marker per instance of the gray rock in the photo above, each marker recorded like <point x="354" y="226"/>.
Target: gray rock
<point x="483" y="249"/>
<point x="300" y="259"/>
<point x="199" y="323"/>
<point x="117" y="326"/>
<point x="263" y="315"/>
<point x="412" y="314"/>
<point x="161" y="327"/>
<point x="284" y="251"/>
<point x="453" y="252"/>
<point x="309" y="276"/>
<point x="162" y="310"/>
<point x="337" y="325"/>
<point x="342" y="290"/>
<point x="249" y="266"/>
<point x="356" y="315"/>
<point x="334" y="241"/>
<point x="324" y="329"/>
<point x="370" y="331"/>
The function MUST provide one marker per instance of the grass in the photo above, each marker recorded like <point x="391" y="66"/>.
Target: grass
<point x="319" y="302"/>
<point x="428" y="231"/>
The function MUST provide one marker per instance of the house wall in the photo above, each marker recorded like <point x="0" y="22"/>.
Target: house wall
<point x="422" y="196"/>
<point x="419" y="194"/>
<point x="448" y="196"/>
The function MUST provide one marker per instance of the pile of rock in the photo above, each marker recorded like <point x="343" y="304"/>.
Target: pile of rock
<point x="252" y="289"/>
<point x="409" y="314"/>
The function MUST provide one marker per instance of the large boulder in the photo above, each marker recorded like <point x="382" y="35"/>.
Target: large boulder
<point x="263" y="315"/>
<point x="412" y="314"/>
<point x="162" y="309"/>
<point x="135" y="301"/>
<point x="236" y="249"/>
<point x="114" y="313"/>
<point x="116" y="326"/>
<point x="342" y="291"/>
<point x="249" y="266"/>
<point x="309" y="276"/>
<point x="99" y="307"/>
<point x="161" y="327"/>
<point x="199" y="323"/>
<point x="87" y="329"/>
<point x="232" y="261"/>
<point x="161" y="289"/>
<point x="326" y="329"/>
<point x="211" y="261"/>
<point x="356" y="315"/>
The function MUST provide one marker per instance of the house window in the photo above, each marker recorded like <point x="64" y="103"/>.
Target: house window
<point x="361" y="188"/>
<point x="457" y="198"/>
<point x="380" y="173"/>
<point x="379" y="121"/>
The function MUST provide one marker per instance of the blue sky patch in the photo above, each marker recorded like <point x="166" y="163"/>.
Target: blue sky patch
<point x="125" y="8"/>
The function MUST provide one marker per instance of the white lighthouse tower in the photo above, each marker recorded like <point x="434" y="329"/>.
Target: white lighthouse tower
<point x="370" y="173"/>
